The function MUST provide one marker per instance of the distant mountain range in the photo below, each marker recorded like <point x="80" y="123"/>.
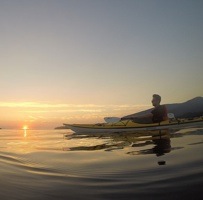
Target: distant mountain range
<point x="191" y="108"/>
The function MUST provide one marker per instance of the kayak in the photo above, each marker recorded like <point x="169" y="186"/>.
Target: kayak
<point x="130" y="126"/>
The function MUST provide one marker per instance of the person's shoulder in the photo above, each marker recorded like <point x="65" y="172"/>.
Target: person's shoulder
<point x="163" y="107"/>
<point x="159" y="108"/>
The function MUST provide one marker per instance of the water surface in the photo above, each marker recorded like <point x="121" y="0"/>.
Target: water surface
<point x="57" y="164"/>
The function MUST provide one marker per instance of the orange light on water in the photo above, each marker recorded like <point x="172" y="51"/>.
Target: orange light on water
<point x="25" y="127"/>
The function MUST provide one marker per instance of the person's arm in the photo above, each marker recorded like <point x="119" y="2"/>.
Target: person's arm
<point x="127" y="118"/>
<point x="148" y="115"/>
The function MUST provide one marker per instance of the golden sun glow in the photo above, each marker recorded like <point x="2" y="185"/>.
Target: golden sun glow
<point x="25" y="127"/>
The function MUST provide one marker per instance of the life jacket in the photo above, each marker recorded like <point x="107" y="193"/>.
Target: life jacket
<point x="159" y="114"/>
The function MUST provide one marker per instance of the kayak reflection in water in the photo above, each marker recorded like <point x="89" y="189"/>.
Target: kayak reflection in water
<point x="159" y="140"/>
<point x="162" y="145"/>
<point x="157" y="115"/>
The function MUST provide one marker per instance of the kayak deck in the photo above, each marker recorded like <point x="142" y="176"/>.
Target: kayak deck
<point x="128" y="125"/>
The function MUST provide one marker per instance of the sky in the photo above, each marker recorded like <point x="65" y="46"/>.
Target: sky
<point x="77" y="61"/>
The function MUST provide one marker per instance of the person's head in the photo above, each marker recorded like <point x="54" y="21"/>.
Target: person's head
<point x="156" y="100"/>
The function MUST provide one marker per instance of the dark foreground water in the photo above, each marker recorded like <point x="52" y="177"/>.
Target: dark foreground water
<point x="59" y="165"/>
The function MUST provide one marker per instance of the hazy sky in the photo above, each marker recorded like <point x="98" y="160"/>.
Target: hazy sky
<point x="79" y="60"/>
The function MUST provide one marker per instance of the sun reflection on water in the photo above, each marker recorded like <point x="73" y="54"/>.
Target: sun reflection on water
<point x="25" y="130"/>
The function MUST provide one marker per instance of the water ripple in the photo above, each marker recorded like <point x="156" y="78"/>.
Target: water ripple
<point x="51" y="165"/>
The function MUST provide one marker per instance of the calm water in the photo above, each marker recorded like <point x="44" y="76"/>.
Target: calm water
<point x="56" y="164"/>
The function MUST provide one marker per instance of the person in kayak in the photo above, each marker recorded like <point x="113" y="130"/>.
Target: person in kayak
<point x="157" y="115"/>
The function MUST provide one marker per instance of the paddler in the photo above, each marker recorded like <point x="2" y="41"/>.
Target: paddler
<point x="157" y="115"/>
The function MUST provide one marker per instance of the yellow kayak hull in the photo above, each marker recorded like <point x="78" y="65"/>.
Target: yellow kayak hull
<point x="130" y="126"/>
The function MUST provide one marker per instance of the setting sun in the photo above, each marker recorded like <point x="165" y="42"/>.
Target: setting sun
<point x="25" y="127"/>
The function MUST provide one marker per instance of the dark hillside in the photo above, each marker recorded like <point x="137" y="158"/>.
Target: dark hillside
<point x="190" y="108"/>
